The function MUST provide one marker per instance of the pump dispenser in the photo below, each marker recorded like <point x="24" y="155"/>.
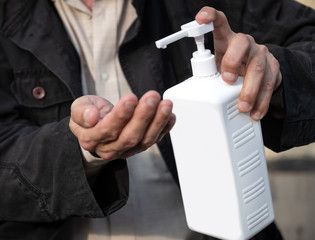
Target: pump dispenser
<point x="219" y="151"/>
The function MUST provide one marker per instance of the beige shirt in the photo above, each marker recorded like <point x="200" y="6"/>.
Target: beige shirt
<point x="154" y="209"/>
<point x="96" y="36"/>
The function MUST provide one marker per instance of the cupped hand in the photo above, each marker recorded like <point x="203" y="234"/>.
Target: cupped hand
<point x="238" y="54"/>
<point x="120" y="131"/>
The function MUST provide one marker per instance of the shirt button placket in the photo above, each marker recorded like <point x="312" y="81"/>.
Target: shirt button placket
<point x="104" y="76"/>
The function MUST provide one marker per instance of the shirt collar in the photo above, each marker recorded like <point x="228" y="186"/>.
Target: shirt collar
<point x="77" y="4"/>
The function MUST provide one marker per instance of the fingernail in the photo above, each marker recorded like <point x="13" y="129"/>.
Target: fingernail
<point x="256" y="115"/>
<point x="153" y="102"/>
<point x="130" y="105"/>
<point x="204" y="14"/>
<point x="166" y="110"/>
<point x="231" y="77"/>
<point x="86" y="116"/>
<point x="244" y="107"/>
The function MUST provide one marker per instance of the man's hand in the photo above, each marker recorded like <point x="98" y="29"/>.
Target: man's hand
<point x="239" y="55"/>
<point x="114" y="132"/>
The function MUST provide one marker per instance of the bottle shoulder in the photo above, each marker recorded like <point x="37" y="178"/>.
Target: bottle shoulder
<point x="209" y="89"/>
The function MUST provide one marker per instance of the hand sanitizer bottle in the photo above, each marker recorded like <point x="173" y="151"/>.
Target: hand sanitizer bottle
<point x="219" y="151"/>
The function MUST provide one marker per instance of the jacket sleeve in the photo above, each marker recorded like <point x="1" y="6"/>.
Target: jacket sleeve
<point x="287" y="28"/>
<point x="42" y="178"/>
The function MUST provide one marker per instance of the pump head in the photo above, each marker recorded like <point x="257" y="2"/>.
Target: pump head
<point x="191" y="29"/>
<point x="203" y="62"/>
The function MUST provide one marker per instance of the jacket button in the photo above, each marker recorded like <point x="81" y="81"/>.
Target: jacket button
<point x="39" y="93"/>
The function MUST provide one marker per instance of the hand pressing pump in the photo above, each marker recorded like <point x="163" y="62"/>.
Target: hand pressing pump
<point x="219" y="151"/>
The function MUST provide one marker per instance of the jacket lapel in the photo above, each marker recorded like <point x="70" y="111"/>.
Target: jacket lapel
<point x="37" y="28"/>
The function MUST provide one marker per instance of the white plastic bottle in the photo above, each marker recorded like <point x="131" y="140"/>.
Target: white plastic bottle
<point x="219" y="151"/>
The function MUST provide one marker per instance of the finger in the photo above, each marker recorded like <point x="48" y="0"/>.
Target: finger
<point x="132" y="134"/>
<point x="170" y="124"/>
<point x="134" y="131"/>
<point x="108" y="128"/>
<point x="235" y="56"/>
<point x="158" y="124"/>
<point x="111" y="154"/>
<point x="255" y="81"/>
<point x="87" y="110"/>
<point x="222" y="30"/>
<point x="221" y="26"/>
<point x="271" y="81"/>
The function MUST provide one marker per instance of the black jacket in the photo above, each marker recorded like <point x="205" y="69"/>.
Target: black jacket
<point x="42" y="179"/>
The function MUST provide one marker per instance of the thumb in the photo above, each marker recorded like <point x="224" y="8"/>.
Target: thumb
<point x="222" y="30"/>
<point x="87" y="110"/>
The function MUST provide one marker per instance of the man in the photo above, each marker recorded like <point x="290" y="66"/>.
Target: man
<point x="44" y="169"/>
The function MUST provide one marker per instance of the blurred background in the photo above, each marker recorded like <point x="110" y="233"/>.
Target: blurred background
<point x="292" y="181"/>
<point x="310" y="3"/>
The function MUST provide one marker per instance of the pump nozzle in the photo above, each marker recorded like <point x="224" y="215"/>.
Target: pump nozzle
<point x="191" y="29"/>
<point x="203" y="63"/>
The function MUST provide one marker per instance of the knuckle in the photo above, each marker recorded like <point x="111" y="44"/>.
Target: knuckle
<point x="148" y="142"/>
<point x="263" y="49"/>
<point x="251" y="41"/>
<point x="247" y="96"/>
<point x="87" y="146"/>
<point x="245" y="39"/>
<point x="109" y="152"/>
<point x="230" y="61"/>
<point x="268" y="86"/>
<point x="249" y="38"/>
<point x="130" y="141"/>
<point x="259" y="66"/>
<point x="110" y="134"/>
<point x="240" y="36"/>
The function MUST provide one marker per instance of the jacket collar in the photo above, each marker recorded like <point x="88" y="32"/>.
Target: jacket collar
<point x="139" y="6"/>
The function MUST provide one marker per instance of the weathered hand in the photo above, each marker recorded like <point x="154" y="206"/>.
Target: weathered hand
<point x="123" y="130"/>
<point x="238" y="54"/>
